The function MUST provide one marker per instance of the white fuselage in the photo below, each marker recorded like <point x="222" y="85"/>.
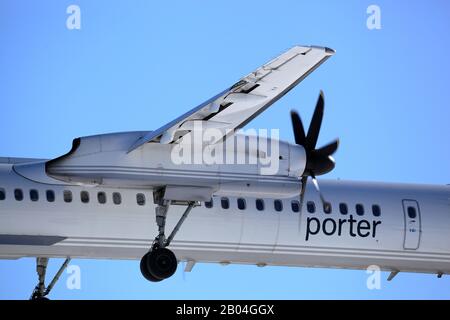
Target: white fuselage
<point x="393" y="240"/>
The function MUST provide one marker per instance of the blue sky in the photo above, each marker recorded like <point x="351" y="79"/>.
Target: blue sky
<point x="135" y="65"/>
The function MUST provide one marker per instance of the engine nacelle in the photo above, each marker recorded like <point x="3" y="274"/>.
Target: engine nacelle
<point x="249" y="165"/>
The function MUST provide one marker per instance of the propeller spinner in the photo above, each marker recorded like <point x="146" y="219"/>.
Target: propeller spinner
<point x="318" y="161"/>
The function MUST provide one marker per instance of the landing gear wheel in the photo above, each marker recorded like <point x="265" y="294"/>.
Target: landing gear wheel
<point x="162" y="263"/>
<point x="145" y="270"/>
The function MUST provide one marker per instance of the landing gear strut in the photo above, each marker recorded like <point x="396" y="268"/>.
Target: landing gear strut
<point x="41" y="291"/>
<point x="160" y="263"/>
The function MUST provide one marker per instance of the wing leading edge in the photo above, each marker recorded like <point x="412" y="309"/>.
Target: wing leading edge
<point x="234" y="107"/>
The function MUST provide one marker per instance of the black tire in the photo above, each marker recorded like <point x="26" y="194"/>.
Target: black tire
<point x="145" y="270"/>
<point x="162" y="263"/>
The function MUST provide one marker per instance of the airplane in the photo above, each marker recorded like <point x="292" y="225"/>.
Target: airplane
<point x="226" y="195"/>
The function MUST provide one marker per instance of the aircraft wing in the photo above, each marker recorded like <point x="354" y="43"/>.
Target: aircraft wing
<point x="234" y="107"/>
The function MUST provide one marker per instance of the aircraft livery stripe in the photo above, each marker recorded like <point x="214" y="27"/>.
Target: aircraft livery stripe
<point x="27" y="240"/>
<point x="275" y="249"/>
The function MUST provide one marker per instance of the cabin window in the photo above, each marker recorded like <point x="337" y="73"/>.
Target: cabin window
<point x="225" y="203"/>
<point x="278" y="205"/>
<point x="117" y="198"/>
<point x="84" y="196"/>
<point x="311" y="206"/>
<point x="101" y="197"/>
<point x="67" y="196"/>
<point x="259" y="204"/>
<point x="50" y="194"/>
<point x="343" y="209"/>
<point x="295" y="206"/>
<point x="376" y="211"/>
<point x="241" y="203"/>
<point x="34" y="195"/>
<point x="2" y="194"/>
<point x="359" y="209"/>
<point x="412" y="214"/>
<point x="327" y="207"/>
<point x="209" y="204"/>
<point x="18" y="194"/>
<point x="140" y="199"/>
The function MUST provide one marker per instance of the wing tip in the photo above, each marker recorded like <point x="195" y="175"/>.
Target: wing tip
<point x="329" y="51"/>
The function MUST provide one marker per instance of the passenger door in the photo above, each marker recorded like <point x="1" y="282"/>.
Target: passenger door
<point x="413" y="227"/>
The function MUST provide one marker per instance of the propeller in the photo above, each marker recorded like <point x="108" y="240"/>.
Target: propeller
<point x="318" y="161"/>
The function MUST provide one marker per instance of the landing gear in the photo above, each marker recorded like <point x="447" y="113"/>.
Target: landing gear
<point x="145" y="269"/>
<point x="161" y="263"/>
<point x="41" y="291"/>
<point x="158" y="264"/>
